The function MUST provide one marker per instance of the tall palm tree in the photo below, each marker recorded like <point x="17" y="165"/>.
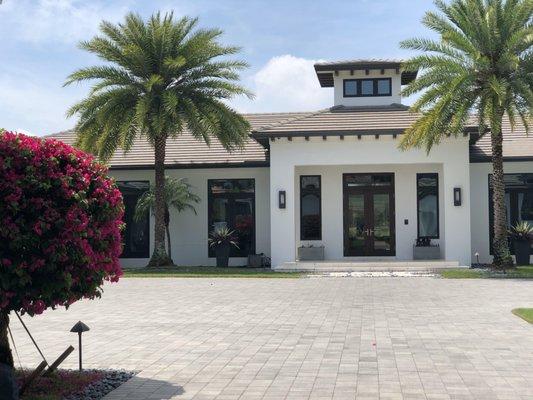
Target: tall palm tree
<point x="162" y="76"/>
<point x="177" y="195"/>
<point x="482" y="62"/>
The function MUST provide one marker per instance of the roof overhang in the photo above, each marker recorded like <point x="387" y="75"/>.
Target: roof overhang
<point x="326" y="71"/>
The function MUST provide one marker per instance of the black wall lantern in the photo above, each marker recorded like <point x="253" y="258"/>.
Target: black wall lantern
<point x="282" y="199"/>
<point x="457" y="197"/>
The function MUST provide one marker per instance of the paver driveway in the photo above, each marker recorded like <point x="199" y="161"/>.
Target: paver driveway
<point x="327" y="338"/>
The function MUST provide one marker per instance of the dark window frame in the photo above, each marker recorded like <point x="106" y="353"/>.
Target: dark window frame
<point x="359" y="85"/>
<point x="418" y="177"/>
<point x="319" y="207"/>
<point x="234" y="252"/>
<point x="144" y="253"/>
<point x="513" y="194"/>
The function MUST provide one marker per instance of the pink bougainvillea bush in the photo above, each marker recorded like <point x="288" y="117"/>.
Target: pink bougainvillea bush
<point x="60" y="221"/>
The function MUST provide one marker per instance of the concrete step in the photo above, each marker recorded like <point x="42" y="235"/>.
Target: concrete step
<point x="368" y="266"/>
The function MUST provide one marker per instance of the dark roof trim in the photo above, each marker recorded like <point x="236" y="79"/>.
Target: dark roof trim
<point x="477" y="159"/>
<point x="356" y="132"/>
<point x="324" y="72"/>
<point x="357" y="65"/>
<point x="250" y="164"/>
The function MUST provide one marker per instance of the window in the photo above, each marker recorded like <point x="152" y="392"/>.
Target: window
<point x="518" y="201"/>
<point x="367" y="87"/>
<point x="427" y="193"/>
<point x="136" y="235"/>
<point x="310" y="208"/>
<point x="350" y="88"/>
<point x="232" y="205"/>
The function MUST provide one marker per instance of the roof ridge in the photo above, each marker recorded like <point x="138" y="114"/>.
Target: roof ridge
<point x="281" y="123"/>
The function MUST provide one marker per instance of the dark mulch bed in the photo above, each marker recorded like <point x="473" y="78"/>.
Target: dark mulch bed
<point x="73" y="385"/>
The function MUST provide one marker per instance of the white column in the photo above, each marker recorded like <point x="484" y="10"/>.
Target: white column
<point x="457" y="239"/>
<point x="282" y="221"/>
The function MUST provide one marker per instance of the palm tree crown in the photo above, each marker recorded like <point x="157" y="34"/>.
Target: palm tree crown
<point x="482" y="62"/>
<point x="161" y="76"/>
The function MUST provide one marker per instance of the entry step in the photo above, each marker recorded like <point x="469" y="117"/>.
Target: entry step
<point x="367" y="266"/>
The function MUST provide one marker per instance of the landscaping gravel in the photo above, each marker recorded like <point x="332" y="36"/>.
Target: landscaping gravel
<point x="96" y="391"/>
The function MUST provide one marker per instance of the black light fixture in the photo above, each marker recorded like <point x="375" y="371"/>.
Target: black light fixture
<point x="282" y="199"/>
<point x="457" y="197"/>
<point x="79" y="328"/>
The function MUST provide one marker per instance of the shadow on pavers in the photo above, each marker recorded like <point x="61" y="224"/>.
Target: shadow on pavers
<point x="140" y="388"/>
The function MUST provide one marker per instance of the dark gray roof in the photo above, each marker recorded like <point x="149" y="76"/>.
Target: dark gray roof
<point x="517" y="144"/>
<point x="187" y="152"/>
<point x="325" y="70"/>
<point x="341" y="120"/>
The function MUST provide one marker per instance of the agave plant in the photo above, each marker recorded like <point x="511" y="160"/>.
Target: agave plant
<point x="223" y="236"/>
<point x="522" y="231"/>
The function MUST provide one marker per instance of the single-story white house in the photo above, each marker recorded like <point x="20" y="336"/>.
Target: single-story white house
<point x="333" y="178"/>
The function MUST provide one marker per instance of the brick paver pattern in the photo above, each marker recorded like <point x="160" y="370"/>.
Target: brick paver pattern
<point x="327" y="338"/>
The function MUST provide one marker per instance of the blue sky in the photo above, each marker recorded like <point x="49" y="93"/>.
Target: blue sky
<point x="281" y="39"/>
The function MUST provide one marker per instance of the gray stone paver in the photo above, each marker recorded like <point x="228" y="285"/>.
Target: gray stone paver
<point x="313" y="339"/>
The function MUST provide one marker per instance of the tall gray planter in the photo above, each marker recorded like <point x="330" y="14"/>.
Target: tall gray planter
<point x="311" y="253"/>
<point x="426" y="252"/>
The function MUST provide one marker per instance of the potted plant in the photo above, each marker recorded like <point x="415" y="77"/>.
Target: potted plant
<point x="522" y="236"/>
<point x="424" y="250"/>
<point x="221" y="240"/>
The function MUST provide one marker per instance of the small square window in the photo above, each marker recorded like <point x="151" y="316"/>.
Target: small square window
<point x="367" y="87"/>
<point x="384" y="87"/>
<point x="350" y="88"/>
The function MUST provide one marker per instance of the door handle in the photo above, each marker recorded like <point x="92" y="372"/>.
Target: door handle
<point x="369" y="232"/>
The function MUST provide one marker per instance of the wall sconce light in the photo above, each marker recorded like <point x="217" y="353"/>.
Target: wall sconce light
<point x="282" y="199"/>
<point x="457" y="197"/>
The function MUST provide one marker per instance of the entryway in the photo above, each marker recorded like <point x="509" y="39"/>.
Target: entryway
<point x="369" y="228"/>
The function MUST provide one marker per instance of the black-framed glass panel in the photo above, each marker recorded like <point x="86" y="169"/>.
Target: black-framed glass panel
<point x="231" y="204"/>
<point x="368" y="180"/>
<point x="427" y="194"/>
<point x="350" y="88"/>
<point x="310" y="207"/>
<point x="367" y="87"/>
<point x="136" y="235"/>
<point x="518" y="202"/>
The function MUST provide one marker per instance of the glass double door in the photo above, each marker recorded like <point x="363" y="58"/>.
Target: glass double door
<point x="369" y="215"/>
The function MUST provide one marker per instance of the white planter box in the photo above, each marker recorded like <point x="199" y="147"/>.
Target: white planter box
<point x="311" y="253"/>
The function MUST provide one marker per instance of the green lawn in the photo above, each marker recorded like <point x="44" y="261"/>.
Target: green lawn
<point x="208" y="272"/>
<point x="524" y="313"/>
<point x="518" y="273"/>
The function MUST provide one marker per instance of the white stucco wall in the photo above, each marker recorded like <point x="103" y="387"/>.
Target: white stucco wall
<point x="479" y="181"/>
<point x="332" y="205"/>
<point x="334" y="156"/>
<point x="189" y="232"/>
<point x="367" y="101"/>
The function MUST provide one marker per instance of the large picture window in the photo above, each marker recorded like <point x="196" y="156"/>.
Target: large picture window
<point x="518" y="201"/>
<point x="232" y="205"/>
<point x="136" y="235"/>
<point x="427" y="192"/>
<point x="310" y="208"/>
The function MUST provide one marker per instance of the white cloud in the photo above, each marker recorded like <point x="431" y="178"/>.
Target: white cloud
<point x="286" y="83"/>
<point x="63" y="21"/>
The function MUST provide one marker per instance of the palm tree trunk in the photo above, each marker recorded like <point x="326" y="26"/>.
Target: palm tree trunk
<point x="167" y="229"/>
<point x="159" y="256"/>
<point x="6" y="357"/>
<point x="502" y="255"/>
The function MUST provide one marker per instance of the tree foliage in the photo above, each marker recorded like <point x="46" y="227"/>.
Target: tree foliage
<point x="482" y="62"/>
<point x="161" y="77"/>
<point x="60" y="233"/>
